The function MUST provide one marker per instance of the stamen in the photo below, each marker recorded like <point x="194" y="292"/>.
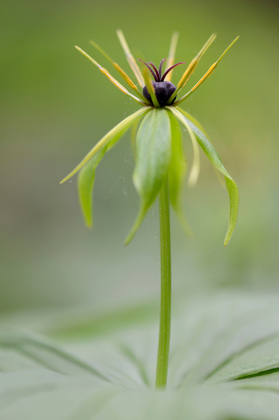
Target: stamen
<point x="122" y="73"/>
<point x="132" y="62"/>
<point x="172" y="50"/>
<point x="160" y="68"/>
<point x="110" y="77"/>
<point x="149" y="68"/>
<point x="156" y="71"/>
<point x="168" y="70"/>
<point x="205" y="76"/>
<point x="150" y="88"/>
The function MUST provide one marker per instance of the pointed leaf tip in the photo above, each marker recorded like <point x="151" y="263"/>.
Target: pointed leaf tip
<point x="86" y="178"/>
<point x="216" y="161"/>
<point x="136" y="225"/>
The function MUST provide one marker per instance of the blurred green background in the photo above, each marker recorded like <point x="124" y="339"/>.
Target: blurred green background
<point x="55" y="105"/>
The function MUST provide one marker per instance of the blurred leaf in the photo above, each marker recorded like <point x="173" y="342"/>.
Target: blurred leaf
<point x="83" y="326"/>
<point x="224" y="365"/>
<point x="152" y="161"/>
<point x="39" y="353"/>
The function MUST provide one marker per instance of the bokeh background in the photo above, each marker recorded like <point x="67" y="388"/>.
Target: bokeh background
<point x="55" y="105"/>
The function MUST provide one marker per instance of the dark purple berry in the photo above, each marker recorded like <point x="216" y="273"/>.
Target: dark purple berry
<point x="163" y="89"/>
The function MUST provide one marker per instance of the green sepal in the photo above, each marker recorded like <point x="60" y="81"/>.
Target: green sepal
<point x="193" y="120"/>
<point x="216" y="161"/>
<point x="86" y="175"/>
<point x="85" y="185"/>
<point x="177" y="172"/>
<point x="198" y="124"/>
<point x="110" y="138"/>
<point x="153" y="147"/>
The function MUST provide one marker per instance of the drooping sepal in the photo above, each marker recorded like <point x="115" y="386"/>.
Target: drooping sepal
<point x="88" y="165"/>
<point x="153" y="156"/>
<point x="216" y="161"/>
<point x="86" y="178"/>
<point x="110" y="139"/>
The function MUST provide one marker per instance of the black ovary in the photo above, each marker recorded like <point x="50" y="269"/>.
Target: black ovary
<point x="163" y="91"/>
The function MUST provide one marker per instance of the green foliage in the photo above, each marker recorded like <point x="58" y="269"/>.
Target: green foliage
<point x="224" y="365"/>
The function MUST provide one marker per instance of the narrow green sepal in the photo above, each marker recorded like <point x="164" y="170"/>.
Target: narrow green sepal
<point x="153" y="155"/>
<point x="112" y="136"/>
<point x="85" y="185"/>
<point x="193" y="119"/>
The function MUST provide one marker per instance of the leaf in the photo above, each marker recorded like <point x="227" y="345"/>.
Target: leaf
<point x="215" y="160"/>
<point x="104" y="323"/>
<point x="85" y="184"/>
<point x="222" y="331"/>
<point x="112" y="136"/>
<point x="29" y="352"/>
<point x="152" y="162"/>
<point x="177" y="172"/>
<point x="224" y="365"/>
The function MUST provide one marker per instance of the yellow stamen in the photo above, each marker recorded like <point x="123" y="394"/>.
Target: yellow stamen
<point x="206" y="75"/>
<point x="213" y="66"/>
<point x="132" y="62"/>
<point x="122" y="73"/>
<point x="110" y="77"/>
<point x="170" y="60"/>
<point x="191" y="68"/>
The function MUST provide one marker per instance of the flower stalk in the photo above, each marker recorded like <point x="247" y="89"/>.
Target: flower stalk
<point x="165" y="305"/>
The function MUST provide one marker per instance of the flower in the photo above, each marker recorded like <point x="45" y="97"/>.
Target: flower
<point x="159" y="151"/>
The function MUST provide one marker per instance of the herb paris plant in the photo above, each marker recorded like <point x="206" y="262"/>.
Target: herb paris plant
<point x="160" y="164"/>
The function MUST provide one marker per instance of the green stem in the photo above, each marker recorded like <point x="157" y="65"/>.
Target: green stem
<point x="165" y="308"/>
